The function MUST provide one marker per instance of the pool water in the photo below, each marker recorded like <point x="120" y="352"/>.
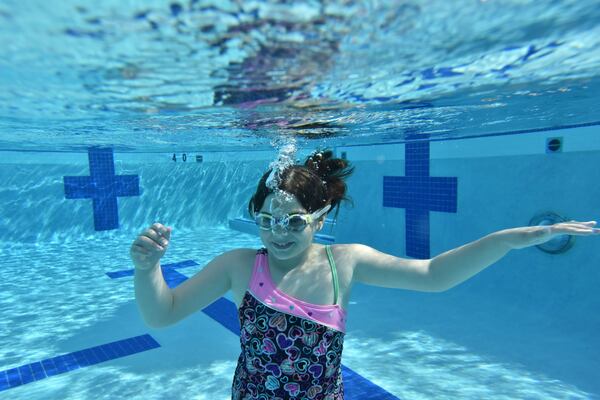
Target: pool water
<point x="462" y="118"/>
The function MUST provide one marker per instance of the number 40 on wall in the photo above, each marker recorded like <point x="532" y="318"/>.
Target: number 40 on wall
<point x="184" y="157"/>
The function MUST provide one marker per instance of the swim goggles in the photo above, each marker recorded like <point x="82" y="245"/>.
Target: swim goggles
<point x="296" y="222"/>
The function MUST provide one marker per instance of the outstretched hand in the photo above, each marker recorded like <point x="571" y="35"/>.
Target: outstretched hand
<point x="518" y="238"/>
<point x="148" y="248"/>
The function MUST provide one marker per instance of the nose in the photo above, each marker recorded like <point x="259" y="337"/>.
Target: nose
<point x="279" y="229"/>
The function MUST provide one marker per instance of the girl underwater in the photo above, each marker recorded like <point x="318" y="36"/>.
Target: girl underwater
<point x="292" y="294"/>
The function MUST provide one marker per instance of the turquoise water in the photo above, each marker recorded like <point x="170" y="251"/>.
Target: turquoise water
<point x="195" y="98"/>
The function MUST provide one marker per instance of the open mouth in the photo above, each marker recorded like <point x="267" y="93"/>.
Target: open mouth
<point x="283" y="246"/>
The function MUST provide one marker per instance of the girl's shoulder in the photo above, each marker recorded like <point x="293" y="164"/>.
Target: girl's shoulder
<point x="349" y="255"/>
<point x="345" y="254"/>
<point x="345" y="249"/>
<point x="245" y="255"/>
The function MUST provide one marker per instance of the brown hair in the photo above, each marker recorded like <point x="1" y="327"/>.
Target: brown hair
<point x="320" y="181"/>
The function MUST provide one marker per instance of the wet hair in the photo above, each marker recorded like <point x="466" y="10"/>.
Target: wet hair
<point x="320" y="181"/>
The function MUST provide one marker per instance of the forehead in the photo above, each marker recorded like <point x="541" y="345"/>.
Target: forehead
<point x="276" y="203"/>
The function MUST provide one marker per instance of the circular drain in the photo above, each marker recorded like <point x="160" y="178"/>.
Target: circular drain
<point x="558" y="244"/>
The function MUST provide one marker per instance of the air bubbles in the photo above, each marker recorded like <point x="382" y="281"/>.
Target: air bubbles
<point x="286" y="158"/>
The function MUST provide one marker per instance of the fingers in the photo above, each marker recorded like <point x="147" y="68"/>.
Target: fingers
<point x="150" y="242"/>
<point x="136" y="248"/>
<point x="585" y="223"/>
<point x="576" y="228"/>
<point x="167" y="234"/>
<point x="161" y="229"/>
<point x="159" y="233"/>
<point x="155" y="237"/>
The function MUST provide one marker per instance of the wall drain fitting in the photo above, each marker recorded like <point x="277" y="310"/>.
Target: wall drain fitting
<point x="558" y="244"/>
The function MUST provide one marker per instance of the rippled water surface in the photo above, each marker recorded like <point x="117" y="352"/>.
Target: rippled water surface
<point x="201" y="75"/>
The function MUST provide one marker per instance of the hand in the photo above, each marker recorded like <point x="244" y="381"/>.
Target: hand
<point x="518" y="238"/>
<point x="148" y="248"/>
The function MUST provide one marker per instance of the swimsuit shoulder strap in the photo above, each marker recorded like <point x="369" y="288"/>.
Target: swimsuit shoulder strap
<point x="333" y="273"/>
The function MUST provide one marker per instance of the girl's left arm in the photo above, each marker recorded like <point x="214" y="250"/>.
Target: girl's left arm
<point x="457" y="265"/>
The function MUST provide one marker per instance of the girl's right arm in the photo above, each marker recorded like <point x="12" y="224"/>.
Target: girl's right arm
<point x="161" y="306"/>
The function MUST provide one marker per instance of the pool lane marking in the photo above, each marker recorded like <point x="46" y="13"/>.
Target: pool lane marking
<point x="36" y="371"/>
<point x="39" y="370"/>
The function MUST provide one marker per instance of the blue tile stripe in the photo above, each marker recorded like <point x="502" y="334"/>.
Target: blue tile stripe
<point x="357" y="387"/>
<point x="103" y="187"/>
<point x="224" y="311"/>
<point x="129" y="272"/>
<point x="68" y="362"/>
<point x="173" y="277"/>
<point x="419" y="193"/>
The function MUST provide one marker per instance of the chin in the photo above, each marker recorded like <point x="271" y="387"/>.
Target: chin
<point x="276" y="250"/>
<point x="295" y="249"/>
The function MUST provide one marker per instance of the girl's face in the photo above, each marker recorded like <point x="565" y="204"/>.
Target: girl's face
<point x="281" y="242"/>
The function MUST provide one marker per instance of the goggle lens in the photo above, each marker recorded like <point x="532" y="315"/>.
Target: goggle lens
<point x="294" y="223"/>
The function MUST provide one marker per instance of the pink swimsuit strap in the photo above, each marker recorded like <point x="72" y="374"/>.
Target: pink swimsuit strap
<point x="263" y="288"/>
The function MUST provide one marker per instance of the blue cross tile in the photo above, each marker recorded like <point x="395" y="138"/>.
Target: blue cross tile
<point x="419" y="193"/>
<point x="103" y="187"/>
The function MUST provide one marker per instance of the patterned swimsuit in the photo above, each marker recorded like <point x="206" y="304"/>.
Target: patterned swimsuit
<point x="291" y="349"/>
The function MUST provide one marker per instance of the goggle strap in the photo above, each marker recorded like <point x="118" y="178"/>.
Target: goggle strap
<point x="320" y="212"/>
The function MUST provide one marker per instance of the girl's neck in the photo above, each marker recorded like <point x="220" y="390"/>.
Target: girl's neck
<point x="291" y="263"/>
